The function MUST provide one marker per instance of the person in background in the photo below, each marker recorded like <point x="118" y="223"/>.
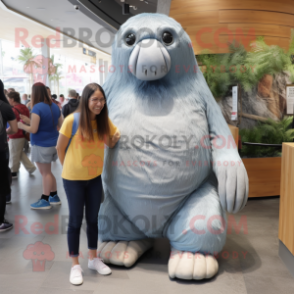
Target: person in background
<point x="6" y="116"/>
<point x="5" y="92"/>
<point x="53" y="97"/>
<point x="25" y="99"/>
<point x="17" y="141"/>
<point x="61" y="99"/>
<point x="54" y="100"/>
<point x="10" y="90"/>
<point x="82" y="186"/>
<point x="71" y="105"/>
<point x="45" y="119"/>
<point x="71" y="94"/>
<point x="29" y="105"/>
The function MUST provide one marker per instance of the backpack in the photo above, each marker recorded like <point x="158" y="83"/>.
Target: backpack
<point x="26" y="134"/>
<point x="75" y="126"/>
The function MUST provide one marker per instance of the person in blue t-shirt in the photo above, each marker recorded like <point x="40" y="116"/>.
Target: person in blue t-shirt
<point x="45" y="119"/>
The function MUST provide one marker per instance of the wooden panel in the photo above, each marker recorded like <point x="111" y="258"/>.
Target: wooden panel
<point x="251" y="16"/>
<point x="286" y="218"/>
<point x="259" y="29"/>
<point x="269" y="18"/>
<point x="285" y="6"/>
<point x="235" y="132"/>
<point x="188" y="6"/>
<point x="200" y="18"/>
<point x="264" y="176"/>
<point x="178" y="6"/>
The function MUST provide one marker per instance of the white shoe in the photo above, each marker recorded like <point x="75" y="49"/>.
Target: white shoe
<point x="98" y="265"/>
<point x="76" y="277"/>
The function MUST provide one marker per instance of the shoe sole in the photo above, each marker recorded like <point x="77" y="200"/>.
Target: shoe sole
<point x="76" y="284"/>
<point x="43" y="208"/>
<point x="55" y="203"/>
<point x="2" y="231"/>
<point x="98" y="272"/>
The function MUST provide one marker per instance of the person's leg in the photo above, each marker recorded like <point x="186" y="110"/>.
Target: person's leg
<point x="75" y="192"/>
<point x="48" y="179"/>
<point x="54" y="184"/>
<point x="29" y="166"/>
<point x="5" y="186"/>
<point x="15" y="147"/>
<point x="92" y="202"/>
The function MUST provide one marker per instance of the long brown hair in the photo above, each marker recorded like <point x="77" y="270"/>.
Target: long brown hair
<point x="40" y="94"/>
<point x="85" y="116"/>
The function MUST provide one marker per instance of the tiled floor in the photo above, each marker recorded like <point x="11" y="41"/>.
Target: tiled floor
<point x="249" y="263"/>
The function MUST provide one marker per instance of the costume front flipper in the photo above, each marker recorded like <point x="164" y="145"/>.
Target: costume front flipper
<point x="122" y="242"/>
<point x="197" y="232"/>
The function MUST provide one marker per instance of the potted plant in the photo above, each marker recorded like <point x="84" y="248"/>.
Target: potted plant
<point x="263" y="163"/>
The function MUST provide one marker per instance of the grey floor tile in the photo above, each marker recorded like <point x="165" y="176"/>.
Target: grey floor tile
<point x="18" y="290"/>
<point x="77" y="290"/>
<point x="260" y="271"/>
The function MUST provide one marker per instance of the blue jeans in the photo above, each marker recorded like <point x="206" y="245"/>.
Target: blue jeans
<point x="80" y="194"/>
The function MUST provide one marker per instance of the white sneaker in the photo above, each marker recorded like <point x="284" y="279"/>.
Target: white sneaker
<point x="76" y="277"/>
<point x="98" y="265"/>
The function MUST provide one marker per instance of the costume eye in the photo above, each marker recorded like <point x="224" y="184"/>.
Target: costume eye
<point x="130" y="39"/>
<point x="167" y="38"/>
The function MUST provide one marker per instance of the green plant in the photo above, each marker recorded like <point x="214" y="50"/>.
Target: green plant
<point x="213" y="69"/>
<point x="56" y="76"/>
<point x="221" y="71"/>
<point x="269" y="132"/>
<point x="26" y="57"/>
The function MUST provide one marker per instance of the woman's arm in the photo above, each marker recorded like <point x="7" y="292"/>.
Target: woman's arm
<point x="13" y="129"/>
<point x="26" y="119"/>
<point x="62" y="144"/>
<point x="114" y="139"/>
<point x="60" y="121"/>
<point x="33" y="128"/>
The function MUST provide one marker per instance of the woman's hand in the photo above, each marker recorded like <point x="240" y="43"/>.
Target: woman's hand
<point x="26" y="119"/>
<point x="20" y="125"/>
<point x="114" y="139"/>
<point x="62" y="144"/>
